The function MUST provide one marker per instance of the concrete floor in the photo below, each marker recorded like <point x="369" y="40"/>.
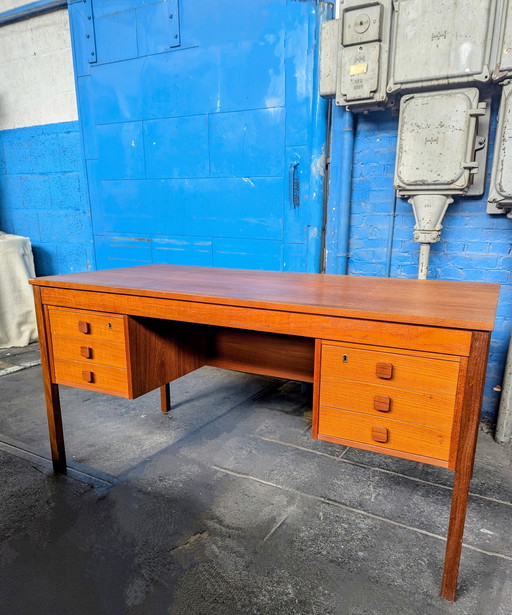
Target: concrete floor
<point x="227" y="506"/>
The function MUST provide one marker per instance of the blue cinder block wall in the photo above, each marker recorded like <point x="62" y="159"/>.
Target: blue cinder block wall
<point x="43" y="195"/>
<point x="474" y="246"/>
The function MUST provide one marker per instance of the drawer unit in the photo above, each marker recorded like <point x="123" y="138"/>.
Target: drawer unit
<point x="398" y="402"/>
<point x="406" y="371"/>
<point x="89" y="350"/>
<point x="87" y="325"/>
<point x="100" y="378"/>
<point x="387" y="434"/>
<point x="384" y="401"/>
<point x="112" y="353"/>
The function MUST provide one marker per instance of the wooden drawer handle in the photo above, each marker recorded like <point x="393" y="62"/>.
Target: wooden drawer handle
<point x="382" y="403"/>
<point x="87" y="376"/>
<point x="380" y="434"/>
<point x="86" y="351"/>
<point x="384" y="370"/>
<point x="83" y="326"/>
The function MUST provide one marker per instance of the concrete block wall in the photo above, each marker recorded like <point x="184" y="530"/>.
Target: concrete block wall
<point x="43" y="189"/>
<point x="43" y="195"/>
<point x="474" y="246"/>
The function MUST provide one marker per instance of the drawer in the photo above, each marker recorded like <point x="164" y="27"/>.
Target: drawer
<point x="90" y="325"/>
<point x="388" y="402"/>
<point x="90" y="351"/>
<point x="398" y="435"/>
<point x="414" y="371"/>
<point x="101" y="378"/>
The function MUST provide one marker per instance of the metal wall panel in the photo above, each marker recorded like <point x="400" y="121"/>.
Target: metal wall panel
<point x="177" y="147"/>
<point x="195" y="119"/>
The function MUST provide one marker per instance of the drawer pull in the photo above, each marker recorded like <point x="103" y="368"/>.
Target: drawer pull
<point x="380" y="434"/>
<point x="83" y="326"/>
<point x="384" y="370"/>
<point x="382" y="403"/>
<point x="86" y="351"/>
<point x="87" y="376"/>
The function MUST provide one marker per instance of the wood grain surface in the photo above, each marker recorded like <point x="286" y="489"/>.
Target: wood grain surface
<point x="103" y="377"/>
<point x="51" y="390"/>
<point x="108" y="327"/>
<point x="411" y="406"/>
<point x="464" y="305"/>
<point x="396" y="335"/>
<point x="413" y="372"/>
<point x="468" y="434"/>
<point x="268" y="354"/>
<point x="98" y="351"/>
<point x="161" y="351"/>
<point x="406" y="437"/>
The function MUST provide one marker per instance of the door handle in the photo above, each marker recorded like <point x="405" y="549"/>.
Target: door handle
<point x="294" y="182"/>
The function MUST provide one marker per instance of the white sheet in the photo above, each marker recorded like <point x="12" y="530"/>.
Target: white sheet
<point x="17" y="315"/>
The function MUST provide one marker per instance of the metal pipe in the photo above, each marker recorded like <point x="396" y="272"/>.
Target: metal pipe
<point x="338" y="167"/>
<point x="317" y="147"/>
<point x="34" y="9"/>
<point x="423" y="263"/>
<point x="340" y="191"/>
<point x="504" y="424"/>
<point x="347" y="154"/>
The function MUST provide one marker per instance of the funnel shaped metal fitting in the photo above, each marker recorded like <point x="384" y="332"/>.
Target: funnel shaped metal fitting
<point x="429" y="210"/>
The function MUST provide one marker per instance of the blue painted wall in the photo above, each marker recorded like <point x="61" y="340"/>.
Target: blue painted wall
<point x="43" y="195"/>
<point x="474" y="246"/>
<point x="193" y="116"/>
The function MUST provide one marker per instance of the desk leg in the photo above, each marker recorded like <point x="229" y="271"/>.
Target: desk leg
<point x="55" y="427"/>
<point x="475" y="379"/>
<point x="165" y="397"/>
<point x="455" y="534"/>
<point x="51" y="391"/>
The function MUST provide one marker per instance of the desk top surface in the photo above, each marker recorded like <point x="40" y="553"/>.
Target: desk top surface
<point x="461" y="305"/>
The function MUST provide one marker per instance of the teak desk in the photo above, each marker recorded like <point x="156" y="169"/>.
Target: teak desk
<point x="398" y="365"/>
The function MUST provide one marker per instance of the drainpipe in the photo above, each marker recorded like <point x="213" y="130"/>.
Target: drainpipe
<point x="340" y="191"/>
<point x="423" y="262"/>
<point x="317" y="147"/>
<point x="347" y="154"/>
<point x="504" y="425"/>
<point x="34" y="9"/>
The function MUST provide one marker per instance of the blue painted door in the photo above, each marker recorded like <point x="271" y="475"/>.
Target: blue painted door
<point x="203" y="131"/>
